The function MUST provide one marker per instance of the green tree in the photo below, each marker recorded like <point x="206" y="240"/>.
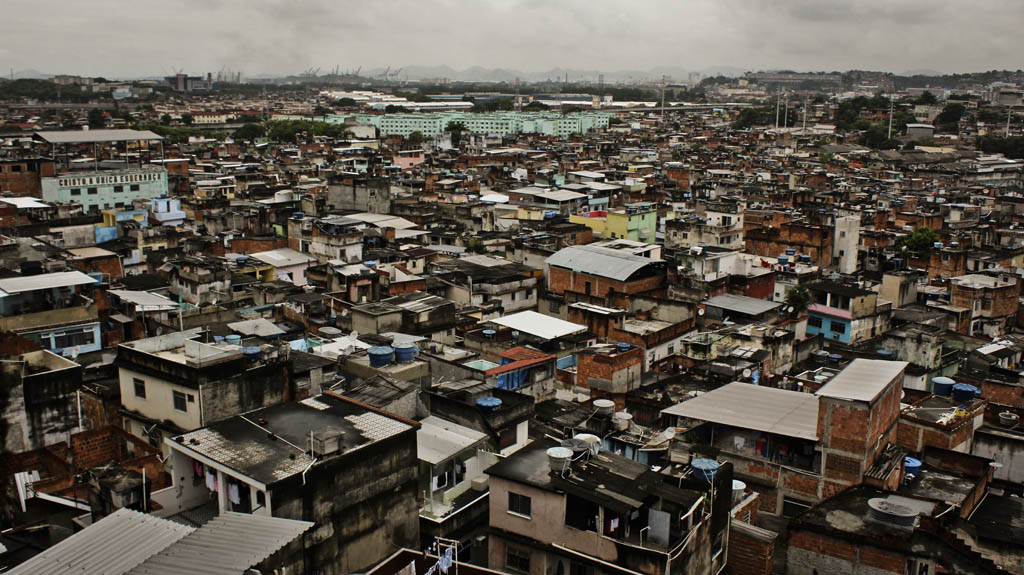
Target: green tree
<point x="535" y="106"/>
<point x="416" y="137"/>
<point x="97" y="118"/>
<point x="187" y="119"/>
<point x="347" y="103"/>
<point x="165" y="119"/>
<point x="926" y="99"/>
<point x="250" y="132"/>
<point x="948" y="119"/>
<point x="877" y="137"/>
<point x="322" y="111"/>
<point x="919" y="243"/>
<point x="393" y="109"/>
<point x="799" y="297"/>
<point x="456" y="128"/>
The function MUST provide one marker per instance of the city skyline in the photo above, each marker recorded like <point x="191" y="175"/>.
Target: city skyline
<point x="268" y="38"/>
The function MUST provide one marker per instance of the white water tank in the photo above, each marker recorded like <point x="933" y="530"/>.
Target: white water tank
<point x="621" y="420"/>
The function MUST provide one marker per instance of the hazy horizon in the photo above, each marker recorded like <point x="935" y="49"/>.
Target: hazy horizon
<point x="266" y="37"/>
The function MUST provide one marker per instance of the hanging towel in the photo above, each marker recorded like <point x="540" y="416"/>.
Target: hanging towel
<point x="211" y="480"/>
<point x="233" y="493"/>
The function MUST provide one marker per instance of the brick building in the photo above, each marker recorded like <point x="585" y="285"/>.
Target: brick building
<point x="602" y="275"/>
<point x="993" y="301"/>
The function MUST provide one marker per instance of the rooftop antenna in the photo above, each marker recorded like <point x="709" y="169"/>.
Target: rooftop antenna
<point x="805" y="113"/>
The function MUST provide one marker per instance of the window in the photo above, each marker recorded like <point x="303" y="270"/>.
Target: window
<point x="577" y="568"/>
<point x="838" y="327"/>
<point x="517" y="559"/>
<point x="814" y="322"/>
<point x="180" y="401"/>
<point x="140" y="388"/>
<point x="587" y="288"/>
<point x="72" y="338"/>
<point x="118" y="189"/>
<point x="554" y="306"/>
<point x="92" y="191"/>
<point x="76" y="192"/>
<point x="134" y="187"/>
<point x="518" y="504"/>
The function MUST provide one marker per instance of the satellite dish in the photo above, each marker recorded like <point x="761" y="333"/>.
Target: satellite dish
<point x="700" y="312"/>
<point x="746" y="373"/>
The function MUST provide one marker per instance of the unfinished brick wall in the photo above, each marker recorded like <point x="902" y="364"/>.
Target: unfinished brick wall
<point x="751" y="550"/>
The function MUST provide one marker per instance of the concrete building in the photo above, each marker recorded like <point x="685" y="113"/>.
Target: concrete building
<point x="846" y="312"/>
<point x="55" y="310"/>
<point x="992" y="299"/>
<point x="637" y="222"/>
<point x="348" y="469"/>
<point x="603" y="513"/>
<point x="185" y="380"/>
<point x="504" y="123"/>
<point x="488" y="283"/>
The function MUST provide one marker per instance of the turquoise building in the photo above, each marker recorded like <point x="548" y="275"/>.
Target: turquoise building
<point x="106" y="189"/>
<point x="504" y="123"/>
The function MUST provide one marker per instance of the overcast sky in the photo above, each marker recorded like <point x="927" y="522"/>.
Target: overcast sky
<point x="152" y="37"/>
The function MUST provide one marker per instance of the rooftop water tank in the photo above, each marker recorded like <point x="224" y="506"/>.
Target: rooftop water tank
<point x="298" y="215"/>
<point x="380" y="355"/>
<point x="884" y="353"/>
<point x="911" y="466"/>
<point x="885" y="511"/>
<point x="942" y="386"/>
<point x="242" y="260"/>
<point x="1008" y="419"/>
<point x="489" y="333"/>
<point x="805" y="258"/>
<point x="738" y="491"/>
<point x="783" y="260"/>
<point x="964" y="392"/>
<point x="835" y="357"/>
<point x="252" y="354"/>
<point x="790" y="251"/>
<point x="705" y="469"/>
<point x="820" y="356"/>
<point x="592" y="442"/>
<point x="604" y="406"/>
<point x="370" y="263"/>
<point x="558" y="458"/>
<point x="621" y="420"/>
<point x="488" y="404"/>
<point x="405" y="352"/>
<point x="233" y="339"/>
<point x="623" y="347"/>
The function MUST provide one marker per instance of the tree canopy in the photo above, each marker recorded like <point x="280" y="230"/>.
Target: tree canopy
<point x="919" y="244"/>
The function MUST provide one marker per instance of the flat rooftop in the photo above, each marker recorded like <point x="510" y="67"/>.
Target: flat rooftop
<point x="746" y="406"/>
<point x="245" y="446"/>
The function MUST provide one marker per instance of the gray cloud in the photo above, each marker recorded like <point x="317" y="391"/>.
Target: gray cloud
<point x="150" y="37"/>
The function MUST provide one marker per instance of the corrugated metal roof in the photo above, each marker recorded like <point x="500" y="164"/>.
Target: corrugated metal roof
<point x="111" y="546"/>
<point x="228" y="545"/>
<point x="539" y="325"/>
<point x="741" y="304"/>
<point x="438" y="440"/>
<point x="768" y="409"/>
<point x="44" y="281"/>
<point x="89" y="136"/>
<point x="603" y="262"/>
<point x="863" y="379"/>
<point x="144" y="300"/>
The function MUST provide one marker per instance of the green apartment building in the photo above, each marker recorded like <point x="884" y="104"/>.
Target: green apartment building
<point x="504" y="123"/>
<point x="105" y="189"/>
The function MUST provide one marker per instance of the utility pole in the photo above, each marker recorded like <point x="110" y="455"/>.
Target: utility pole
<point x="1009" y="111"/>
<point x="890" y="119"/>
<point x="778" y="100"/>
<point x="805" y="113"/>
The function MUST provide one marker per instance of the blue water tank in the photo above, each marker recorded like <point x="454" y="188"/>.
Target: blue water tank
<point x="233" y="339"/>
<point x="805" y="258"/>
<point x="911" y="466"/>
<point x="942" y="386"/>
<point x="964" y="392"/>
<point x="405" y="352"/>
<point x="623" y="347"/>
<point x="370" y="263"/>
<point x="298" y="215"/>
<point x="790" y="251"/>
<point x="380" y="355"/>
<point x="252" y="354"/>
<point x="489" y="333"/>
<point x="242" y="260"/>
<point x="705" y="469"/>
<point x="884" y="353"/>
<point x="489" y="404"/>
<point x="784" y="260"/>
<point x="835" y="357"/>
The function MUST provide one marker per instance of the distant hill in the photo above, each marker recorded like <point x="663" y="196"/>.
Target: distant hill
<point x="481" y="74"/>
